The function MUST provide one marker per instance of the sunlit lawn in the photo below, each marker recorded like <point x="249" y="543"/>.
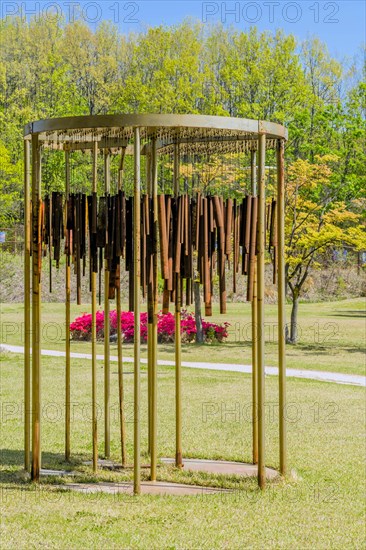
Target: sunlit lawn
<point x="319" y="505"/>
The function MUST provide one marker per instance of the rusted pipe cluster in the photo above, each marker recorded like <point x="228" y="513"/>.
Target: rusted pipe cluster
<point x="207" y="230"/>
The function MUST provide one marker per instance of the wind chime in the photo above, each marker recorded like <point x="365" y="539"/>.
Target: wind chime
<point x="102" y="233"/>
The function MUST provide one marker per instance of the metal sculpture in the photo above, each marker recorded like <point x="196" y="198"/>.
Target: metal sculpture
<point x="140" y="228"/>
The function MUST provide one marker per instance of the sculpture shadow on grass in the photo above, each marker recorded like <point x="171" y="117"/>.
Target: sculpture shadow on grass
<point x="12" y="464"/>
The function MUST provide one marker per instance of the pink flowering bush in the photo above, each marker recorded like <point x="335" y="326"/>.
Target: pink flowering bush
<point x="213" y="332"/>
<point x="80" y="329"/>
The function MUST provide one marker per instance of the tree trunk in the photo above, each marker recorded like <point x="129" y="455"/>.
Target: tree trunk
<point x="287" y="288"/>
<point x="294" y="312"/>
<point x="197" y="313"/>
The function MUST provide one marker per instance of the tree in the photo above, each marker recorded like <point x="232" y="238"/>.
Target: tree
<point x="324" y="77"/>
<point x="315" y="219"/>
<point x="91" y="59"/>
<point x="162" y="71"/>
<point x="11" y="182"/>
<point x="253" y="75"/>
<point x="349" y="141"/>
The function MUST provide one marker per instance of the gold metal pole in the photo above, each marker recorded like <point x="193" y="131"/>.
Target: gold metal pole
<point x="107" y="374"/>
<point x="253" y="178"/>
<point x="154" y="328"/>
<point x="149" y="316"/>
<point x="27" y="306"/>
<point x="36" y="309"/>
<point x="67" y="328"/>
<point x="120" y="381"/>
<point x="281" y="301"/>
<point x="136" y="301"/>
<point x="178" y="341"/>
<point x="122" y="421"/>
<point x="260" y="300"/>
<point x="94" y="331"/>
<point x="149" y="361"/>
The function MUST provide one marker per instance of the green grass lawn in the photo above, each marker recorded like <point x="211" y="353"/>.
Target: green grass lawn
<point x="319" y="505"/>
<point x="331" y="335"/>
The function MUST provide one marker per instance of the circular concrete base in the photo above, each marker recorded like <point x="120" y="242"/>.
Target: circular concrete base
<point x="224" y="467"/>
<point x="45" y="472"/>
<point x="107" y="464"/>
<point x="147" y="488"/>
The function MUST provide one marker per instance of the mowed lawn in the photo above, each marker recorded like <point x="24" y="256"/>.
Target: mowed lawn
<point x="319" y="505"/>
<point x="331" y="335"/>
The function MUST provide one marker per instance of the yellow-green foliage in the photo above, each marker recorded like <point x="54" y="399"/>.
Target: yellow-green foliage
<point x="314" y="220"/>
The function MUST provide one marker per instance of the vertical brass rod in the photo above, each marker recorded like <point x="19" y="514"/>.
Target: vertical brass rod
<point x="122" y="421"/>
<point x="120" y="381"/>
<point x="149" y="362"/>
<point x="94" y="331"/>
<point x="154" y="328"/>
<point x="67" y="328"/>
<point x="107" y="445"/>
<point x="36" y="310"/>
<point x="136" y="301"/>
<point x="253" y="179"/>
<point x="178" y="379"/>
<point x="281" y="302"/>
<point x="40" y="300"/>
<point x="260" y="300"/>
<point x="149" y="317"/>
<point x="27" y="306"/>
<point x="255" y="368"/>
<point x="178" y="341"/>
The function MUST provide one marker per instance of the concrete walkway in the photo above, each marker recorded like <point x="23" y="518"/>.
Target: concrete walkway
<point x="321" y="376"/>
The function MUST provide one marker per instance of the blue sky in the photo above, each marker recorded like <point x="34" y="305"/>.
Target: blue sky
<point x="340" y="24"/>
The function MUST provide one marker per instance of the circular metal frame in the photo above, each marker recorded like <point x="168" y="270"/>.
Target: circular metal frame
<point x="168" y="128"/>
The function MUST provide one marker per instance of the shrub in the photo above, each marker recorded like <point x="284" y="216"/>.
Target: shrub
<point x="213" y="332"/>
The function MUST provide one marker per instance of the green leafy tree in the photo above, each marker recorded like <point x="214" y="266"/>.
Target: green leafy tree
<point x="163" y="71"/>
<point x="10" y="188"/>
<point x="91" y="61"/>
<point x="315" y="220"/>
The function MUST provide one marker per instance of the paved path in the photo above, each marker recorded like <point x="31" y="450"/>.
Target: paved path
<point x="322" y="376"/>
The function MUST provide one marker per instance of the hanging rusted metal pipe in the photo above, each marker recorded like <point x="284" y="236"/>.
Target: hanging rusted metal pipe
<point x="107" y="437"/>
<point x="136" y="302"/>
<point x="94" y="330"/>
<point x="122" y="420"/>
<point x="67" y="324"/>
<point x="36" y="308"/>
<point x="281" y="302"/>
<point x="27" y="307"/>
<point x="253" y="181"/>
<point x="260" y="308"/>
<point x="154" y="328"/>
<point x="178" y="341"/>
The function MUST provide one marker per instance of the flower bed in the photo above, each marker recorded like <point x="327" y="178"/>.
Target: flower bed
<point x="213" y="332"/>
